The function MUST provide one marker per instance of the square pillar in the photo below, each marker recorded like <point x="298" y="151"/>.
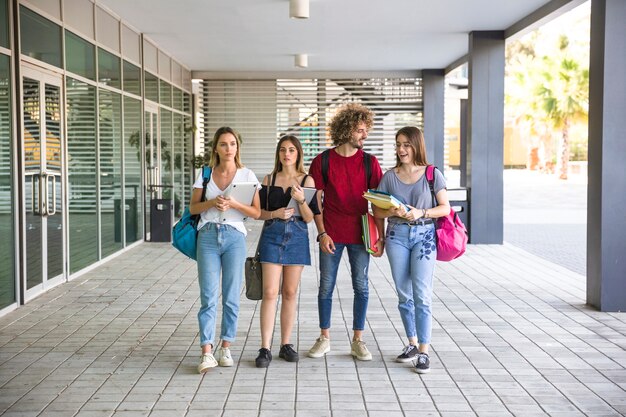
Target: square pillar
<point x="606" y="196"/>
<point x="485" y="135"/>
<point x="433" y="83"/>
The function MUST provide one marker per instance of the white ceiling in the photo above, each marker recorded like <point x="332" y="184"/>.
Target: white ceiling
<point x="340" y="35"/>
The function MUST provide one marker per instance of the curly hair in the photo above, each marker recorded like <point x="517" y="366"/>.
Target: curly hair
<point x="346" y="122"/>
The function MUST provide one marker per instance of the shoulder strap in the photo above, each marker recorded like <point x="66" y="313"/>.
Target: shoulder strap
<point x="272" y="179"/>
<point x="325" y="158"/>
<point x="303" y="180"/>
<point x="430" y="177"/>
<point x="367" y="161"/>
<point x="206" y="177"/>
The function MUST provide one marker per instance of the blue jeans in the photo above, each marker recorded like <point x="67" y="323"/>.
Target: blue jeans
<point x="412" y="252"/>
<point x="329" y="264"/>
<point x="221" y="249"/>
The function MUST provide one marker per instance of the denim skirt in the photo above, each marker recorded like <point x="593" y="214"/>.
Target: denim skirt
<point x="285" y="242"/>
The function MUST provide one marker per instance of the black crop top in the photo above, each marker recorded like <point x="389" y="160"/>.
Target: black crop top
<point x="279" y="198"/>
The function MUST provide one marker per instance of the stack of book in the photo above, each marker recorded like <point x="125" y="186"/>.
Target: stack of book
<point x="383" y="200"/>
<point x="370" y="232"/>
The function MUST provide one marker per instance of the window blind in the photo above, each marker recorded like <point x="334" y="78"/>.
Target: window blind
<point x="264" y="110"/>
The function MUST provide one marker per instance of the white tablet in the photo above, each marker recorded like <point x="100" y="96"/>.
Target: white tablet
<point x="309" y="194"/>
<point x="242" y="192"/>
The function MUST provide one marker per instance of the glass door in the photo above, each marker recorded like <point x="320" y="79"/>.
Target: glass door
<point x="43" y="145"/>
<point x="153" y="160"/>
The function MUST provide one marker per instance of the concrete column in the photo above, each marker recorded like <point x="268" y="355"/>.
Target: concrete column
<point x="485" y="135"/>
<point x="606" y="192"/>
<point x="433" y="93"/>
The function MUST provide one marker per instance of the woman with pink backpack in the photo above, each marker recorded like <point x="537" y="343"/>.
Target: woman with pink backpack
<point x="410" y="240"/>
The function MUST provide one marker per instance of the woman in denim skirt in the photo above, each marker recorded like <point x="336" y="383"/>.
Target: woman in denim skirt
<point x="410" y="240"/>
<point x="221" y="245"/>
<point x="284" y="246"/>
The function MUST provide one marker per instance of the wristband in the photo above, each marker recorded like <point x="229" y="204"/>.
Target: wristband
<point x="321" y="235"/>
<point x="301" y="202"/>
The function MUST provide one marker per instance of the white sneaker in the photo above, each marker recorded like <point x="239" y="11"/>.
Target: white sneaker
<point x="207" y="361"/>
<point x="225" y="359"/>
<point x="320" y="348"/>
<point x="359" y="351"/>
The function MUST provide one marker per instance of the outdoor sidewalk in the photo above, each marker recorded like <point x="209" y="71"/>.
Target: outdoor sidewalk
<point x="512" y="336"/>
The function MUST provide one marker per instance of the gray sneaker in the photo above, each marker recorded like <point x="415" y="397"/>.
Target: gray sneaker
<point x="207" y="361"/>
<point x="320" y="348"/>
<point x="359" y="351"/>
<point x="408" y="354"/>
<point x="422" y="363"/>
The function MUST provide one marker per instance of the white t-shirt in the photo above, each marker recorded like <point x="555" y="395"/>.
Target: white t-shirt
<point x="212" y="215"/>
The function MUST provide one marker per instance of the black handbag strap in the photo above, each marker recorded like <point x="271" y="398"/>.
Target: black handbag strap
<point x="267" y="205"/>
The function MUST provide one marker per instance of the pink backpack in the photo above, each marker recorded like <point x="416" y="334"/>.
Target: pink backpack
<point x="451" y="232"/>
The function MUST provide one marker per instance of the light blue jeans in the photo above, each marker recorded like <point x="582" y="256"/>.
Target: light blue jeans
<point x="221" y="249"/>
<point x="329" y="265"/>
<point x="412" y="252"/>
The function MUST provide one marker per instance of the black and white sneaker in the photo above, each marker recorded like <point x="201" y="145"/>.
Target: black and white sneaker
<point x="288" y="353"/>
<point x="422" y="363"/>
<point x="408" y="354"/>
<point x="264" y="358"/>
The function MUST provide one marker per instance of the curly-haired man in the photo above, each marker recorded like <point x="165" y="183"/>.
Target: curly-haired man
<point x="340" y="173"/>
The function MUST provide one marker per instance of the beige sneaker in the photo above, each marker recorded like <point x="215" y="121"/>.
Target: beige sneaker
<point x="320" y="348"/>
<point x="359" y="351"/>
<point x="207" y="361"/>
<point x="225" y="359"/>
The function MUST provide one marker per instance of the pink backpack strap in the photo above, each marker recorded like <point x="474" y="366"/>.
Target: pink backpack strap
<point x="430" y="173"/>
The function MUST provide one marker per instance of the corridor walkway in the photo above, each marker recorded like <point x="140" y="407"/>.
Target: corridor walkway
<point x="512" y="336"/>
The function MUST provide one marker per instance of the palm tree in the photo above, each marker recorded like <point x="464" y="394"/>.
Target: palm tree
<point x="564" y="94"/>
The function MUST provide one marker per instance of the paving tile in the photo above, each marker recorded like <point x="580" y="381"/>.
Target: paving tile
<point x="121" y="340"/>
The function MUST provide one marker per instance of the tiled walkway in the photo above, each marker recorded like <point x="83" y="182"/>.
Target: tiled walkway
<point x="512" y="336"/>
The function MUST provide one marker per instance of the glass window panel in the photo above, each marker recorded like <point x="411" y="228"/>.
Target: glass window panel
<point x="132" y="78"/>
<point x="187" y="102"/>
<point x="4" y="25"/>
<point x="7" y="276"/>
<point x="132" y="169"/>
<point x="151" y="86"/>
<point x="178" y="155"/>
<point x="177" y="98"/>
<point x="81" y="149"/>
<point x="80" y="56"/>
<point x="40" y="38"/>
<point x="110" y="155"/>
<point x="166" y="152"/>
<point x="108" y="68"/>
<point x="165" y="94"/>
<point x="31" y="113"/>
<point x="188" y="157"/>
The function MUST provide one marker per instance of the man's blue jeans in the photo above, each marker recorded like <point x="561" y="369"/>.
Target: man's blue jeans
<point x="221" y="250"/>
<point x="412" y="252"/>
<point x="329" y="265"/>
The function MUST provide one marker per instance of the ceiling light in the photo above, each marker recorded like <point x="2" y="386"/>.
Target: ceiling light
<point x="302" y="61"/>
<point x="299" y="9"/>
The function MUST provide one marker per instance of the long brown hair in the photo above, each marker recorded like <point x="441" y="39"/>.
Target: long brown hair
<point x="415" y="138"/>
<point x="215" y="158"/>
<point x="278" y="166"/>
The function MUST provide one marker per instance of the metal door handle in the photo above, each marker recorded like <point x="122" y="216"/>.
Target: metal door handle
<point x="38" y="204"/>
<point x="54" y="195"/>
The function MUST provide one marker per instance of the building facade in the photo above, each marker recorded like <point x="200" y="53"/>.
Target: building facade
<point x="95" y="124"/>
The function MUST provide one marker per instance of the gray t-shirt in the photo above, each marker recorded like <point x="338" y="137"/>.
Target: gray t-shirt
<point x="416" y="194"/>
